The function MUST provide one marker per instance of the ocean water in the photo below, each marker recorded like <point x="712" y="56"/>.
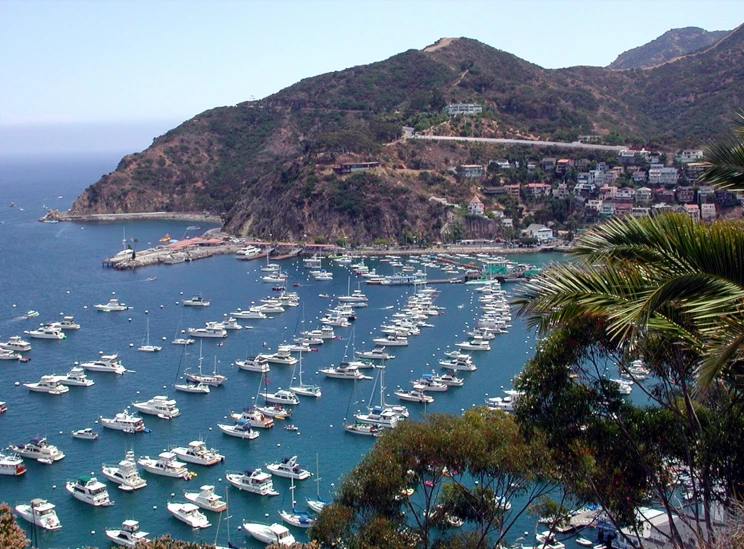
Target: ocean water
<point x="56" y="269"/>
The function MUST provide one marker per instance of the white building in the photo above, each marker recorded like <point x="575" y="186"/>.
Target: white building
<point x="454" y="109"/>
<point x="540" y="232"/>
<point x="475" y="207"/>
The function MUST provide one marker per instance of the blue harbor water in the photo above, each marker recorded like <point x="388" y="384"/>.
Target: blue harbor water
<point x="56" y="269"/>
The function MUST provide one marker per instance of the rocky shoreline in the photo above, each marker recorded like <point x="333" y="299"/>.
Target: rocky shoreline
<point x="159" y="216"/>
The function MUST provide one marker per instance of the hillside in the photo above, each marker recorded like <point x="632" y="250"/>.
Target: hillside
<point x="266" y="166"/>
<point x="670" y="45"/>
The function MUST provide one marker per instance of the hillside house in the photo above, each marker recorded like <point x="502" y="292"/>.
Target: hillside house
<point x="607" y="192"/>
<point x="594" y="204"/>
<point x="582" y="164"/>
<point x="644" y="194"/>
<point x="664" y="195"/>
<point x="514" y="190"/>
<point x="352" y="167"/>
<point x="625" y="194"/>
<point x="623" y="208"/>
<point x="640" y="211"/>
<point x="472" y="171"/>
<point x="501" y="164"/>
<point x="607" y="209"/>
<point x="688" y="156"/>
<point x="538" y="190"/>
<point x="659" y="175"/>
<point x="627" y="157"/>
<point x="708" y="211"/>
<point x="611" y="177"/>
<point x="618" y="171"/>
<point x="563" y="165"/>
<point x="638" y="176"/>
<point x="706" y="193"/>
<point x="685" y="195"/>
<point x="531" y="166"/>
<point x="598" y="177"/>
<point x="538" y="231"/>
<point x="661" y="207"/>
<point x="583" y="189"/>
<point x="561" y="192"/>
<point x="455" y="109"/>
<point x="693" y="170"/>
<point x="476" y="207"/>
<point x="693" y="210"/>
<point x="547" y="164"/>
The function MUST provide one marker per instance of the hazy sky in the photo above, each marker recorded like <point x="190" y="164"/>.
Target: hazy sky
<point x="72" y="69"/>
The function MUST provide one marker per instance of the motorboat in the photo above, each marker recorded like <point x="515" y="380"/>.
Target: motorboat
<point x="256" y="363"/>
<point x="76" y="378"/>
<point x="242" y="429"/>
<point x="357" y="296"/>
<point x="129" y="535"/>
<point x="198" y="453"/>
<point x="39" y="512"/>
<point x="288" y="468"/>
<point x="275" y="410"/>
<point x="160" y="406"/>
<point x="68" y="323"/>
<point x="281" y="356"/>
<point x="206" y="499"/>
<point x="192" y="387"/>
<point x="414" y="396"/>
<point x="89" y="490"/>
<point x="298" y="519"/>
<point x="584" y="542"/>
<point x="459" y="364"/>
<point x="252" y="480"/>
<point x="38" y="449"/>
<point x="166" y="465"/>
<point x="378" y="353"/>
<point x="85" y="434"/>
<point x="321" y="274"/>
<point x="457" y="353"/>
<point x="113" y="305"/>
<point x="345" y="370"/>
<point x="125" y="474"/>
<point x="30" y="314"/>
<point x="124" y="421"/>
<point x="505" y="403"/>
<point x="46" y="332"/>
<point x="254" y="418"/>
<point x="47" y="384"/>
<point x="428" y="383"/>
<point x="359" y="428"/>
<point x="188" y="513"/>
<point x="271" y="534"/>
<point x="450" y="380"/>
<point x="254" y="313"/>
<point x="15" y="343"/>
<point x="183" y="341"/>
<point x="281" y="396"/>
<point x="210" y="330"/>
<point x="475" y="344"/>
<point x="380" y="416"/>
<point x="3" y="407"/>
<point x="9" y="355"/>
<point x="11" y="465"/>
<point x="196" y="301"/>
<point x="230" y="324"/>
<point x="105" y="363"/>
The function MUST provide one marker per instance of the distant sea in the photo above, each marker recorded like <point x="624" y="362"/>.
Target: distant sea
<point x="56" y="269"/>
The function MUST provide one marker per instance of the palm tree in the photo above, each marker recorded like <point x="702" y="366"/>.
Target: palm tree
<point x="726" y="158"/>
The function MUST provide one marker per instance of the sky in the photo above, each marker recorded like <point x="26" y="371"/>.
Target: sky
<point x="96" y="75"/>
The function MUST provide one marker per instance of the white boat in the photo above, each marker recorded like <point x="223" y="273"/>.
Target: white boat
<point x="183" y="341"/>
<point x="9" y="355"/>
<point x="475" y="344"/>
<point x="68" y="323"/>
<point x="365" y="429"/>
<point x="198" y="453"/>
<point x="206" y="499"/>
<point x="345" y="370"/>
<point x="254" y="313"/>
<point x="125" y="474"/>
<point x="11" y="465"/>
<point x="242" y="429"/>
<point x="383" y="415"/>
<point x="210" y="330"/>
<point x="124" y="421"/>
<point x="256" y="363"/>
<point x="313" y="262"/>
<point x="39" y="512"/>
<point x="414" y="396"/>
<point x="230" y="324"/>
<point x="450" y="380"/>
<point x="304" y="389"/>
<point x="196" y="301"/>
<point x="46" y="332"/>
<point x="85" y="434"/>
<point x="584" y="542"/>
<point x="254" y="481"/>
<point x="391" y="340"/>
<point x="275" y="410"/>
<point x="281" y="356"/>
<point x="105" y="363"/>
<point x="188" y="513"/>
<point x="166" y="465"/>
<point x="321" y="274"/>
<point x="378" y="353"/>
<point x="76" y="378"/>
<point x="47" y="384"/>
<point x="270" y="534"/>
<point x="214" y="379"/>
<point x="38" y="449"/>
<point x="254" y="418"/>
<point x="459" y="364"/>
<point x="288" y="468"/>
<point x="298" y="519"/>
<point x="427" y="383"/>
<point x="129" y="535"/>
<point x="15" y="343"/>
<point x="281" y="396"/>
<point x="146" y="347"/>
<point x="112" y="305"/>
<point x="160" y="406"/>
<point x="192" y="387"/>
<point x="30" y="314"/>
<point x="89" y="490"/>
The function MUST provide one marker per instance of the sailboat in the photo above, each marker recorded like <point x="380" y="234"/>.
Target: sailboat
<point x="276" y="411"/>
<point x="357" y="427"/>
<point x="214" y="380"/>
<point x="318" y="503"/>
<point x="382" y="415"/>
<point x="299" y="519"/>
<point x="303" y="389"/>
<point x="146" y="347"/>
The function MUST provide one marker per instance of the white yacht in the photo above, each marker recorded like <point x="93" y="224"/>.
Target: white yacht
<point x="366" y="429"/>
<point x="449" y="380"/>
<point x="124" y="421"/>
<point x="89" y="490"/>
<point x="254" y="313"/>
<point x="414" y="396"/>
<point x="242" y="429"/>
<point x="391" y="340"/>
<point x="188" y="513"/>
<point x="298" y="519"/>
<point x="254" y="418"/>
<point x="378" y="353"/>
<point x="206" y="499"/>
<point x="252" y="480"/>
<point x="68" y="323"/>
<point x="324" y="332"/>
<point x="275" y="410"/>
<point x="197" y="452"/>
<point x="210" y="330"/>
<point x="230" y="324"/>
<point x="39" y="512"/>
<point x="129" y="535"/>
<point x="125" y="474"/>
<point x="345" y="370"/>
<point x="382" y="417"/>
<point x="15" y="343"/>
<point x="196" y="301"/>
<point x="459" y="364"/>
<point x="254" y="364"/>
<point x="76" y="377"/>
<point x="187" y="387"/>
<point x="160" y="406"/>
<point x="85" y="434"/>
<point x="281" y="396"/>
<point x="46" y="332"/>
<point x="213" y="380"/>
<point x="321" y="274"/>
<point x="11" y="465"/>
<point x="105" y="363"/>
<point x="112" y="305"/>
<point x="9" y="355"/>
<point x="288" y="468"/>
<point x="427" y="383"/>
<point x="166" y="465"/>
<point x="47" y="384"/>
<point x="183" y="341"/>
<point x="38" y="449"/>
<point x="475" y="344"/>
<point x="281" y="356"/>
<point x="271" y="534"/>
